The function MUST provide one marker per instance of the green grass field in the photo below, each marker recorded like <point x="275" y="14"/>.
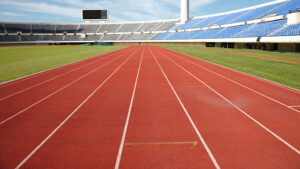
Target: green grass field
<point x="20" y="61"/>
<point x="263" y="53"/>
<point x="286" y="73"/>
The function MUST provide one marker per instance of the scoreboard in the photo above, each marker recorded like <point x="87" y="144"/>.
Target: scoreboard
<point x="94" y="14"/>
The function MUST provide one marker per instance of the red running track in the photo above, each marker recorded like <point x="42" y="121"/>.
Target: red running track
<point x="148" y="107"/>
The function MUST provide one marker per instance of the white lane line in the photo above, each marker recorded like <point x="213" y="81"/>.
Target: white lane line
<point x="188" y="116"/>
<point x="69" y="84"/>
<point x="74" y="111"/>
<point x="19" y="79"/>
<point x="249" y="75"/>
<point x="270" y="98"/>
<point x="242" y="111"/>
<point x="294" y="106"/>
<point x="38" y="84"/>
<point x="118" y="160"/>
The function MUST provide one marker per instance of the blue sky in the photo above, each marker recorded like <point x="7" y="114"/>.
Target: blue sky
<point x="120" y="10"/>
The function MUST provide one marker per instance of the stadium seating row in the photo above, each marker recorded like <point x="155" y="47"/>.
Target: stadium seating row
<point x="262" y="29"/>
<point x="25" y="38"/>
<point x="260" y="21"/>
<point x="84" y="28"/>
<point x="281" y="8"/>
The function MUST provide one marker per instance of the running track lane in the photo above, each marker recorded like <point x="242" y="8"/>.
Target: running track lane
<point x="235" y="140"/>
<point x="22" y="134"/>
<point x="91" y="137"/>
<point x="281" y="93"/>
<point x="48" y="89"/>
<point x="280" y="119"/>
<point x="159" y="133"/>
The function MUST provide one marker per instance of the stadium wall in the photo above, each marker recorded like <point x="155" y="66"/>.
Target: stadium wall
<point x="291" y="47"/>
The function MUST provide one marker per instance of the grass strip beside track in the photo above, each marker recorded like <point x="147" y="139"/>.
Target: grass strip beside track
<point x="21" y="61"/>
<point x="286" y="55"/>
<point x="286" y="73"/>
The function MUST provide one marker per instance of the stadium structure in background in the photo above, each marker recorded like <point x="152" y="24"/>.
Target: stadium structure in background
<point x="269" y="26"/>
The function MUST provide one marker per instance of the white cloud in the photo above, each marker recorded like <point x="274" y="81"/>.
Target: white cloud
<point x="129" y="9"/>
<point x="196" y="4"/>
<point x="43" y="8"/>
<point x="11" y="14"/>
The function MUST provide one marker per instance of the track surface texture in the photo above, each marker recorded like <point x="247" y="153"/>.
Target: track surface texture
<point x="148" y="107"/>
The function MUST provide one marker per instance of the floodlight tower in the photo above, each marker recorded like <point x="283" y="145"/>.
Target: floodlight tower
<point x="184" y="11"/>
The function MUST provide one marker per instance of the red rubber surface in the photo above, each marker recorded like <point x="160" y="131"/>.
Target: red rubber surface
<point x="82" y="125"/>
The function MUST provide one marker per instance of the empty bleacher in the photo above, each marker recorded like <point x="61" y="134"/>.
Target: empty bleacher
<point x="176" y="35"/>
<point x="285" y="8"/>
<point x="65" y="28"/>
<point x="14" y="28"/>
<point x="41" y="28"/>
<point x="85" y="28"/>
<point x="111" y="37"/>
<point x="108" y="28"/>
<point x="72" y="38"/>
<point x="255" y="13"/>
<point x="261" y="29"/>
<point x="239" y="25"/>
<point x="244" y="23"/>
<point x="73" y="32"/>
<point x="2" y="30"/>
<point x="148" y="26"/>
<point x="91" y="38"/>
<point x="229" y="32"/>
<point x="290" y="30"/>
<point x="164" y="26"/>
<point x="9" y="38"/>
<point x="128" y="27"/>
<point x="205" y="34"/>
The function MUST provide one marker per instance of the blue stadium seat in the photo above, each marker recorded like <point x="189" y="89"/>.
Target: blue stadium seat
<point x="230" y="17"/>
<point x="190" y="35"/>
<point x="191" y="23"/>
<point x="162" y="36"/>
<point x="285" y="8"/>
<point x="261" y="29"/>
<point x="229" y="32"/>
<point x="255" y="13"/>
<point x="290" y="30"/>
<point x="206" y="34"/>
<point x="209" y="21"/>
<point x="176" y="35"/>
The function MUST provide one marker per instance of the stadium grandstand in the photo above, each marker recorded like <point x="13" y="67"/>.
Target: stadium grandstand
<point x="271" y="26"/>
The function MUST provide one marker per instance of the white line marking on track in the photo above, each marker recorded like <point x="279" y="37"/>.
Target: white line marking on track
<point x="189" y="117"/>
<point x="242" y="111"/>
<point x="270" y="98"/>
<point x="294" y="106"/>
<point x="74" y="111"/>
<point x="249" y="75"/>
<point x="13" y="81"/>
<point x="38" y="84"/>
<point x="69" y="84"/>
<point x="118" y="160"/>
